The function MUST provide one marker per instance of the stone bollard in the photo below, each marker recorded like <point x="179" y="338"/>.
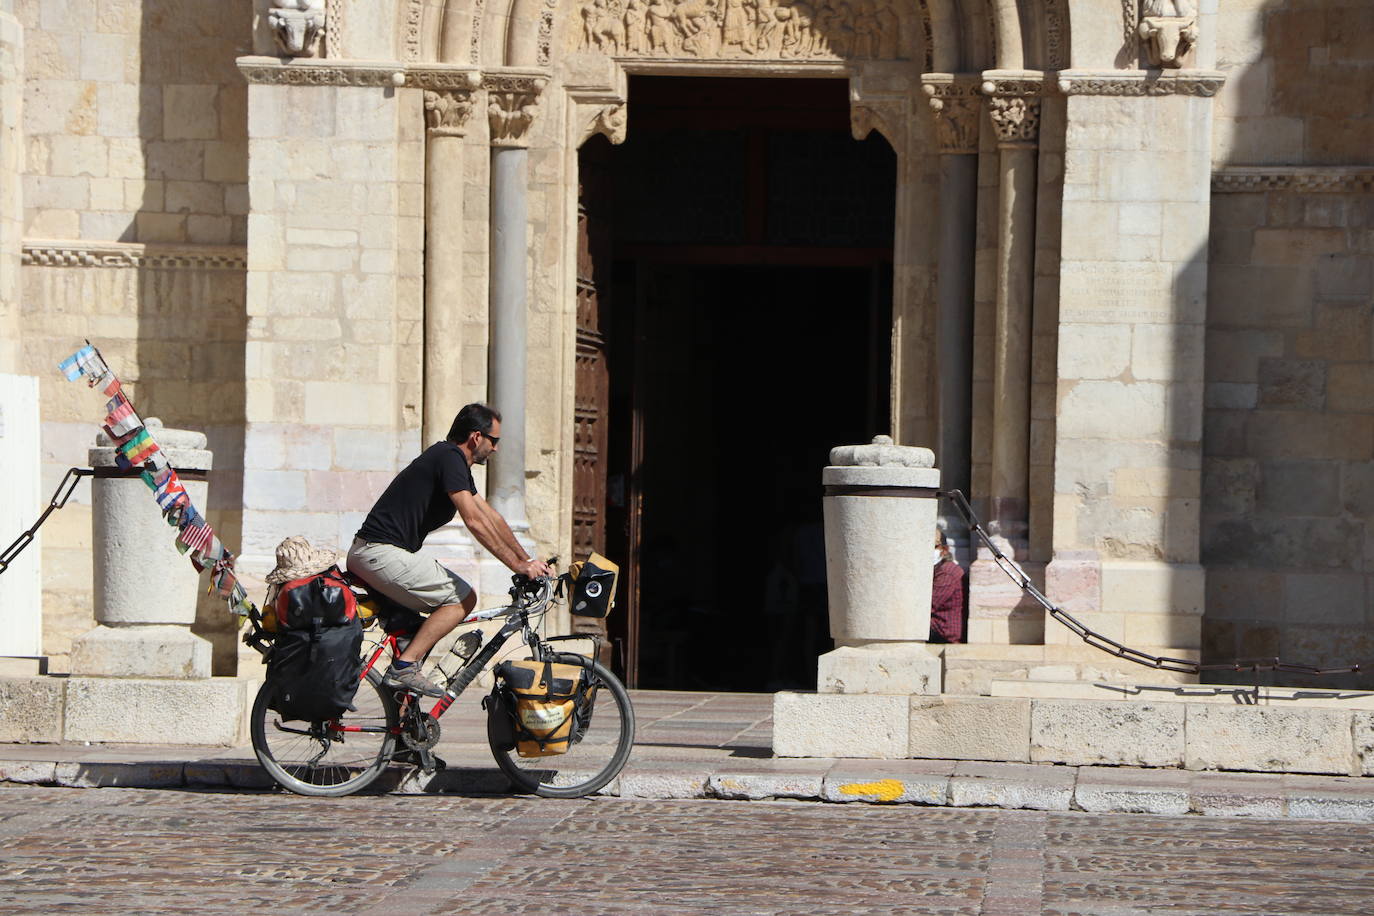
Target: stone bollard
<point x="880" y="508"/>
<point x="145" y="589"/>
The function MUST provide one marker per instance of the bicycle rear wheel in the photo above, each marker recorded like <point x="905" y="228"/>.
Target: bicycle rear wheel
<point x="595" y="759"/>
<point x="327" y="758"/>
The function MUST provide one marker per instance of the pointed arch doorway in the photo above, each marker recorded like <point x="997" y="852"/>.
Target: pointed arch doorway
<point x="734" y="323"/>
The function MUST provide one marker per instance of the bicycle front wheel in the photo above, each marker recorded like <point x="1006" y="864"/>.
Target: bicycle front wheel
<point x="327" y="758"/>
<point x="595" y="759"/>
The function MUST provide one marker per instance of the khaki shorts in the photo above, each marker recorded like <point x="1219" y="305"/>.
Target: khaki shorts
<point x="416" y="581"/>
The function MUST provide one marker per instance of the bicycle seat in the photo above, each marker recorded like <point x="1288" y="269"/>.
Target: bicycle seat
<point x="395" y="618"/>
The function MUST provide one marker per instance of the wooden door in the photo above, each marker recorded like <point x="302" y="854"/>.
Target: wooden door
<point x="592" y="385"/>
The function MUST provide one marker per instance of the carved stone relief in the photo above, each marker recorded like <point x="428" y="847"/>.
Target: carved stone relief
<point x="447" y="112"/>
<point x="1169" y="30"/>
<point x="511" y="104"/>
<point x="297" y="26"/>
<point x="742" y="29"/>
<point x="956" y="105"/>
<point x="1014" y="107"/>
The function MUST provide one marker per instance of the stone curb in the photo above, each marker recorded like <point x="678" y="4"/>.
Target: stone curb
<point x="1056" y="789"/>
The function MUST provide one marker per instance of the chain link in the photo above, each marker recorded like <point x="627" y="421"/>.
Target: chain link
<point x="1106" y="643"/>
<point x="59" y="499"/>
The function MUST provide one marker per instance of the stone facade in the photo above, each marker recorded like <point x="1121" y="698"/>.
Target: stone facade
<point x="1129" y="303"/>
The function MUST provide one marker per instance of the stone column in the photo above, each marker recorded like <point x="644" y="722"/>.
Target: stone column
<point x="145" y="589"/>
<point x="955" y="102"/>
<point x="997" y="608"/>
<point x="21" y="499"/>
<point x="447" y="111"/>
<point x="880" y="505"/>
<point x="1132" y="316"/>
<point x="511" y="101"/>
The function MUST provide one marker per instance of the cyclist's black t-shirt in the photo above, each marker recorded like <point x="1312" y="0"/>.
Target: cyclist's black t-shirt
<point x="417" y="501"/>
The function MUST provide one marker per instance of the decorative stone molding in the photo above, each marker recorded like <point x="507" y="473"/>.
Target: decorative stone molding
<point x="512" y="97"/>
<point x="415" y="14"/>
<point x="1014" y="105"/>
<point x="475" y="44"/>
<point x="1204" y="83"/>
<point x="955" y="101"/>
<point x="297" y="25"/>
<point x="270" y="71"/>
<point x="1169" y="29"/>
<point x="544" y="40"/>
<point x="447" y="112"/>
<point x="743" y="29"/>
<point x="1055" y="58"/>
<point x="335" y="42"/>
<point x="1296" y="179"/>
<point x="75" y="253"/>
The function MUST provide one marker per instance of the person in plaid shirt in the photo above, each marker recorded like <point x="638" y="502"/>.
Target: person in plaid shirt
<point x="946" y="595"/>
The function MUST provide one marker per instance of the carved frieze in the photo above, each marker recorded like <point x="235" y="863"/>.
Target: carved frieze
<point x="956" y="104"/>
<point x="46" y="253"/>
<point x="270" y="71"/>
<point x="415" y="11"/>
<point x="512" y="99"/>
<point x="1296" y="179"/>
<point x="545" y="37"/>
<point x="297" y="25"/>
<point x="743" y="29"/>
<point x="1204" y="83"/>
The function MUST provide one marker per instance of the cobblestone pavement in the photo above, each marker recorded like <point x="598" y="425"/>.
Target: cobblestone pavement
<point x="157" y="851"/>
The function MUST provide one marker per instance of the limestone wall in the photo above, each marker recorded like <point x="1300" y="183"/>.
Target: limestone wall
<point x="1299" y="82"/>
<point x="1289" y="492"/>
<point x="134" y="213"/>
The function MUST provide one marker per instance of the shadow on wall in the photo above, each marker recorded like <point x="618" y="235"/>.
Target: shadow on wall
<point x="192" y="320"/>
<point x="1288" y="495"/>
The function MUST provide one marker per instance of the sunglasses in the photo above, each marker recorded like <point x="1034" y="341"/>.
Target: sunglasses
<point x="495" y="440"/>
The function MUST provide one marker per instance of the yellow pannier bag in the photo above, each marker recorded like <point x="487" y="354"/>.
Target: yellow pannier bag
<point x="545" y="695"/>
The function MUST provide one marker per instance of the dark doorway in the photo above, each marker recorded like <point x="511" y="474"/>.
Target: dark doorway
<point x="746" y="316"/>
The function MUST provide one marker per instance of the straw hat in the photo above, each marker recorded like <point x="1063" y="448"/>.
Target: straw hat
<point x="296" y="559"/>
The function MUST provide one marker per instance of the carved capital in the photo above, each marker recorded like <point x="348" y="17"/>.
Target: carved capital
<point x="512" y="99"/>
<point x="955" y="102"/>
<point x="1014" y="106"/>
<point x="447" y="112"/>
<point x="297" y="26"/>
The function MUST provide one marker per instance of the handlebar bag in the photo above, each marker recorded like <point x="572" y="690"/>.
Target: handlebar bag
<point x="545" y="695"/>
<point x="594" y="582"/>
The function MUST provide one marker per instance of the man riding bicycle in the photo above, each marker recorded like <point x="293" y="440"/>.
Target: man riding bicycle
<point x="424" y="497"/>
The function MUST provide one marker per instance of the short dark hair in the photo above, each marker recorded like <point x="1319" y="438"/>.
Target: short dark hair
<point x="473" y="418"/>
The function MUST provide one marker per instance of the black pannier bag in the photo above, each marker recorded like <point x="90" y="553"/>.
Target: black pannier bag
<point x="316" y="658"/>
<point x="593" y="593"/>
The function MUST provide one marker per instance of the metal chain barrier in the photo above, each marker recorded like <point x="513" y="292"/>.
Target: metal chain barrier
<point x="1107" y="644"/>
<point x="59" y="499"/>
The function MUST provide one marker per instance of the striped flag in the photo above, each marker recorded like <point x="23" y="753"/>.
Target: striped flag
<point x="196" y="534"/>
<point x="121" y="418"/>
<point x="74" y="366"/>
<point x="139" y="447"/>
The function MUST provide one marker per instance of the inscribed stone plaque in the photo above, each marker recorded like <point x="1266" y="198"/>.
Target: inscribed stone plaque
<point x="1115" y="292"/>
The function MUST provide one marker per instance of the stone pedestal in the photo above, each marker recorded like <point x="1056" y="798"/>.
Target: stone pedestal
<point x="145" y="590"/>
<point x="21" y="593"/>
<point x="880" y="507"/>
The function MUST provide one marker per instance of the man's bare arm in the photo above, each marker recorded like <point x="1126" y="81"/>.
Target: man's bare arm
<point x="492" y="532"/>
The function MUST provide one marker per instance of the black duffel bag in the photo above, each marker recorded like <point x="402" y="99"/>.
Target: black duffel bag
<point x="316" y="659"/>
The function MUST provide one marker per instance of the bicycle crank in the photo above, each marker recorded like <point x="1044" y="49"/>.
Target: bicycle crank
<point x="422" y="732"/>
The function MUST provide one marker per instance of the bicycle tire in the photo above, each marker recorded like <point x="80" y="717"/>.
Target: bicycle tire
<point x="307" y="763"/>
<point x="591" y="763"/>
